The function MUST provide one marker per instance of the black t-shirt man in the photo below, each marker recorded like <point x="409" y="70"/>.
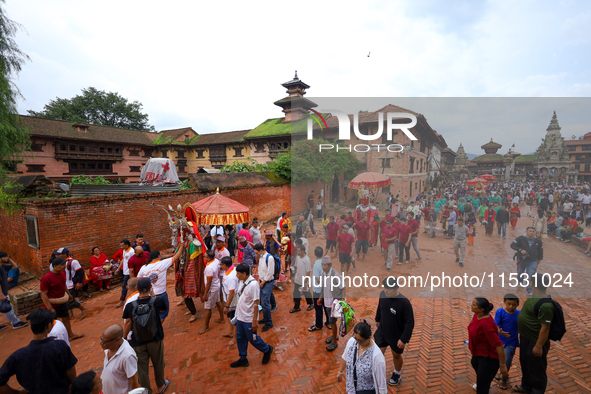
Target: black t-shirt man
<point x="160" y="306"/>
<point x="396" y="319"/>
<point x="40" y="367"/>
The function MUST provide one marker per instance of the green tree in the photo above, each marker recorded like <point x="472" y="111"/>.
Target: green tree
<point x="97" y="107"/>
<point x="308" y="164"/>
<point x="13" y="135"/>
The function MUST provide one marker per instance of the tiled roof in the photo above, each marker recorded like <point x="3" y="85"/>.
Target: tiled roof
<point x="220" y="138"/>
<point x="578" y="142"/>
<point x="447" y="150"/>
<point x="491" y="144"/>
<point x="488" y="157"/>
<point x="525" y="159"/>
<point x="175" y="133"/>
<point x="60" y="129"/>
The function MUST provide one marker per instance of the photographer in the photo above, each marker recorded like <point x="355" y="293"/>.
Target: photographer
<point x="529" y="255"/>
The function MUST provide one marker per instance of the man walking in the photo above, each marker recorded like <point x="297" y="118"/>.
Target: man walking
<point x="303" y="268"/>
<point x="395" y="320"/>
<point x="128" y="253"/>
<point x="211" y="297"/>
<point x="529" y="255"/>
<point x="362" y="234"/>
<point x="534" y="329"/>
<point x="266" y="284"/>
<point x="147" y="335"/>
<point x="389" y="240"/>
<point x="55" y="295"/>
<point x="432" y="222"/>
<point x="461" y="232"/>
<point x="489" y="218"/>
<point x="137" y="261"/>
<point x="502" y="220"/>
<point x="451" y="221"/>
<point x="414" y="235"/>
<point x="120" y="363"/>
<point x="247" y="311"/>
<point x="46" y="365"/>
<point x="404" y="232"/>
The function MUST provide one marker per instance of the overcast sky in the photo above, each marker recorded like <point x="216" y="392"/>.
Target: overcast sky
<point x="218" y="66"/>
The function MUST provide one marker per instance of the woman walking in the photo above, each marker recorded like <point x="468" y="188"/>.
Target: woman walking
<point x="363" y="363"/>
<point x="540" y="224"/>
<point x="485" y="346"/>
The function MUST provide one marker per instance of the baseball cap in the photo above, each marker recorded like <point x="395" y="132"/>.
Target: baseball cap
<point x="144" y="284"/>
<point x="61" y="251"/>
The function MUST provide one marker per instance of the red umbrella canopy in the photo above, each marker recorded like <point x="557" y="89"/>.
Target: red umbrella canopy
<point x="220" y="210"/>
<point x="477" y="181"/>
<point x="488" y="177"/>
<point x="370" y="180"/>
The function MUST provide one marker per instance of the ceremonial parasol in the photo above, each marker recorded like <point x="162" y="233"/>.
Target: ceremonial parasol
<point x="370" y="180"/>
<point x="477" y="181"/>
<point x="488" y="177"/>
<point x="217" y="210"/>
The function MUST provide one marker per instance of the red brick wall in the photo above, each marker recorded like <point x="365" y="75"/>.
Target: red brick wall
<point x="81" y="223"/>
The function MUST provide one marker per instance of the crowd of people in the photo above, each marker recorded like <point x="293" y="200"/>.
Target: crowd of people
<point x="245" y="263"/>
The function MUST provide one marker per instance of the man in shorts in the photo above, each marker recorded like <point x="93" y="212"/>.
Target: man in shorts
<point x="362" y="233"/>
<point x="211" y="299"/>
<point x="55" y="294"/>
<point x="395" y="320"/>
<point x="329" y="292"/>
<point x="345" y="243"/>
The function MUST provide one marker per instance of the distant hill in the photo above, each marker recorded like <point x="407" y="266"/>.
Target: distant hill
<point x="471" y="156"/>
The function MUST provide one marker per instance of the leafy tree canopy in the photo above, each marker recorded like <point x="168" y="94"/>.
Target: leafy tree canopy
<point x="97" y="107"/>
<point x="308" y="164"/>
<point x="13" y="135"/>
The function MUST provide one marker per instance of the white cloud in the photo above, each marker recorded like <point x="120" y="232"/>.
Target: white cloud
<point x="217" y="66"/>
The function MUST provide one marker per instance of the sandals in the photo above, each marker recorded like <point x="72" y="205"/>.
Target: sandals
<point x="503" y="384"/>
<point x="328" y="326"/>
<point x="310" y="307"/>
<point x="328" y="340"/>
<point x="294" y="310"/>
<point x="332" y="347"/>
<point x="314" y="328"/>
<point x="519" y="389"/>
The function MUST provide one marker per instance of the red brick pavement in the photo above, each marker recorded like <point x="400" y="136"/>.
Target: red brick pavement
<point x="436" y="359"/>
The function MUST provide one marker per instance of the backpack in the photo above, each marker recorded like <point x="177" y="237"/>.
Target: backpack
<point x="558" y="326"/>
<point x="347" y="318"/>
<point x="277" y="268"/>
<point x="144" y="321"/>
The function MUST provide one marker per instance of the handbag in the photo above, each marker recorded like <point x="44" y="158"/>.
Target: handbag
<point x="5" y="306"/>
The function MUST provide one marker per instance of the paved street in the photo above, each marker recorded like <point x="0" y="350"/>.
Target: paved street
<point x="436" y="359"/>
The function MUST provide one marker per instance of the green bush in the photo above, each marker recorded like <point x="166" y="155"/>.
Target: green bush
<point x="88" y="180"/>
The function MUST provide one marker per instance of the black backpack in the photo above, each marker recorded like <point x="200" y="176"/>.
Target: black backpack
<point x="558" y="326"/>
<point x="144" y="322"/>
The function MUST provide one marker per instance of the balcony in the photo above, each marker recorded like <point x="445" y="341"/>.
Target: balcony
<point x="70" y="155"/>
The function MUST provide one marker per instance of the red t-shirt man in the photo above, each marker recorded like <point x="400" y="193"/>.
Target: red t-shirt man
<point x="414" y="225"/>
<point x="362" y="230"/>
<point x="345" y="243"/>
<point x="137" y="262"/>
<point x="389" y="233"/>
<point x="404" y="233"/>
<point x="332" y="231"/>
<point x="54" y="284"/>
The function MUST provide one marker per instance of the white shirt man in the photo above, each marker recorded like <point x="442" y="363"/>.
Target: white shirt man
<point x="59" y="332"/>
<point x="516" y="200"/>
<point x="255" y="233"/>
<point x="127" y="254"/>
<point x="302" y="266"/>
<point x="230" y="283"/>
<point x="156" y="271"/>
<point x="587" y="199"/>
<point x="266" y="268"/>
<point x="248" y="294"/>
<point x="212" y="270"/>
<point x="119" y="369"/>
<point x="73" y="266"/>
